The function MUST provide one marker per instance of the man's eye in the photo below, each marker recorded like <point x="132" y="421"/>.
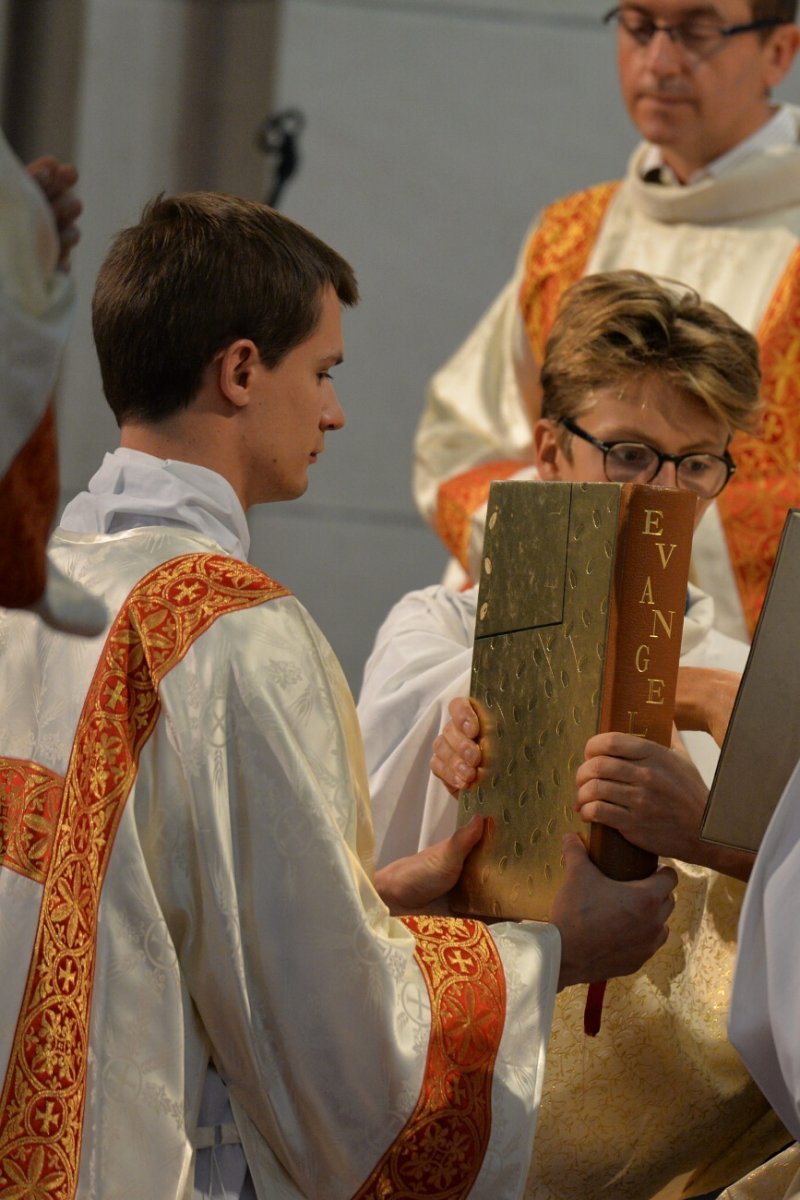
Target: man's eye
<point x="697" y="466"/>
<point x="697" y="35"/>
<point x="639" y="27"/>
<point x="324" y="375"/>
<point x="633" y="455"/>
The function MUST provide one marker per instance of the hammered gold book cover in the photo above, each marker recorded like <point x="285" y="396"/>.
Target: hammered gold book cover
<point x="580" y="616"/>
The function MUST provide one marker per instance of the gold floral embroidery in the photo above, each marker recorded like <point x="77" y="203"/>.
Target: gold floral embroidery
<point x="767" y="481"/>
<point x="459" y="498"/>
<point x="441" y="1148"/>
<point x="43" y="1097"/>
<point x="557" y="255"/>
<point x="30" y="804"/>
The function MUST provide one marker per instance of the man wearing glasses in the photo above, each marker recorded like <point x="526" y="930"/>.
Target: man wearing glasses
<point x="641" y="383"/>
<point x="711" y="198"/>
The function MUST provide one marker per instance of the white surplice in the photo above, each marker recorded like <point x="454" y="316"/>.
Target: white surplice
<point x="237" y="918"/>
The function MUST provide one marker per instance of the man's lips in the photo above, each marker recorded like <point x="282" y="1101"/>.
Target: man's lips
<point x="666" y="98"/>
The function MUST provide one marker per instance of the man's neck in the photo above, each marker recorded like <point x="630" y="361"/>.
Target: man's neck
<point x="180" y="440"/>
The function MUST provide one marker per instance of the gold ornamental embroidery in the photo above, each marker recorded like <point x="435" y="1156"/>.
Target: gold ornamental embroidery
<point x="767" y="481"/>
<point x="30" y="805"/>
<point x="460" y="497"/>
<point x="557" y="255"/>
<point x="43" y="1098"/>
<point x="441" y="1148"/>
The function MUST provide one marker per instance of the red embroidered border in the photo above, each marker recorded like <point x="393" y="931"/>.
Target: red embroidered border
<point x="30" y="805"/>
<point x="459" y="498"/>
<point x="557" y="255"/>
<point x="28" y="499"/>
<point x="767" y="481"/>
<point x="42" y="1103"/>
<point x="441" y="1148"/>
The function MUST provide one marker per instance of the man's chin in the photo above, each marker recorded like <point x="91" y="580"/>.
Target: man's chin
<point x="661" y="120"/>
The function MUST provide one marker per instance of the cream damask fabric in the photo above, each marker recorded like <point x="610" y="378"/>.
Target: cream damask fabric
<point x="236" y="915"/>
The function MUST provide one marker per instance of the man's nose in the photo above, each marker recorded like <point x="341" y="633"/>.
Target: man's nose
<point x="667" y="476"/>
<point x="663" y="54"/>
<point x="333" y="415"/>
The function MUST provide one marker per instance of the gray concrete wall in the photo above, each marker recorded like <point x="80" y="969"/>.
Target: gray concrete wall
<point x="435" y="131"/>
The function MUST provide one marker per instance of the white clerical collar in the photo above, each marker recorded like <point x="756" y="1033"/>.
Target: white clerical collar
<point x="132" y="489"/>
<point x="780" y="130"/>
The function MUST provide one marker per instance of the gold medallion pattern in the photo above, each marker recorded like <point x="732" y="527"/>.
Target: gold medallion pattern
<point x="30" y="805"/>
<point x="440" y="1150"/>
<point x="44" y="1092"/>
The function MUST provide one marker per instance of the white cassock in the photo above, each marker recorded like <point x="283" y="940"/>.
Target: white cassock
<point x="185" y="875"/>
<point x="659" y="1103"/>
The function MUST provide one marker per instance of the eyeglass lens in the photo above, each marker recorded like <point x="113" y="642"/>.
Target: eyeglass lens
<point x="631" y="462"/>
<point x="698" y="35"/>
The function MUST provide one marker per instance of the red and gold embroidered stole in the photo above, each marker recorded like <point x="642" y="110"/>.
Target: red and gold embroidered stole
<point x="440" y="1150"/>
<point x="767" y="480"/>
<point x="61" y="833"/>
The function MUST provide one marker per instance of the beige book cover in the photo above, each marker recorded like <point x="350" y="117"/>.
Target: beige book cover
<point x="762" y="744"/>
<point x="578" y="630"/>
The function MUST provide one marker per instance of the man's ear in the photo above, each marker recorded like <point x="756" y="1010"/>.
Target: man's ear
<point x="237" y="366"/>
<point x="546" y="446"/>
<point x="779" y="53"/>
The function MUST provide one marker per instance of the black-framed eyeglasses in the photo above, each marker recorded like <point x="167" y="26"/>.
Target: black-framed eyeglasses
<point x="699" y="37"/>
<point x="636" y="462"/>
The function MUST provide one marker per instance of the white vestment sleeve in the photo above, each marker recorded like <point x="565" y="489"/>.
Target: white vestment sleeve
<point x="421" y="660"/>
<point x="763" y="1022"/>
<point x="316" y="1008"/>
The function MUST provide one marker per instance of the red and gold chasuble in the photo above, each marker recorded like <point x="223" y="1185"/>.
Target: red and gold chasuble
<point x="59" y="833"/>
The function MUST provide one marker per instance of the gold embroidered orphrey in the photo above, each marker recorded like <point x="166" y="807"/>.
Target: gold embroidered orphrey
<point x="67" y="847"/>
<point x="440" y="1150"/>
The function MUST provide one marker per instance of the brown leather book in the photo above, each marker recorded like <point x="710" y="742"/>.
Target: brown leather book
<point x="580" y="616"/>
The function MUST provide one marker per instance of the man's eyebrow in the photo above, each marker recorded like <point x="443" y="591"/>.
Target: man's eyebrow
<point x="334" y="359"/>
<point x="700" y="10"/>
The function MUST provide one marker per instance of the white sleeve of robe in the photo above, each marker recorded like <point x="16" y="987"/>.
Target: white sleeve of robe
<point x="310" y="994"/>
<point x="421" y="660"/>
<point x="764" y="1025"/>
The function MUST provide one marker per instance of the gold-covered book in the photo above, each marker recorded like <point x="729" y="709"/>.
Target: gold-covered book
<point x="578" y="630"/>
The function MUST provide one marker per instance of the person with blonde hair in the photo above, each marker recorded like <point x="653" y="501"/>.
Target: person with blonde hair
<point x="642" y="382"/>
